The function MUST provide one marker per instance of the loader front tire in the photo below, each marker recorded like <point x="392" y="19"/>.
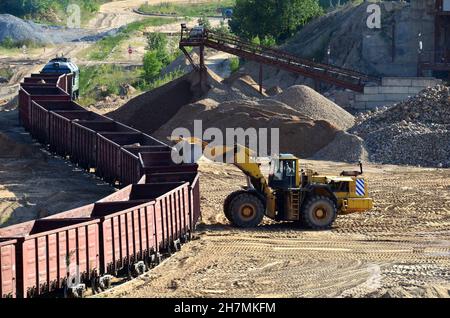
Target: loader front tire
<point x="319" y="213"/>
<point x="246" y="210"/>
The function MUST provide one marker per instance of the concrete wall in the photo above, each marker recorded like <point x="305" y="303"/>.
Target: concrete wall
<point x="392" y="90"/>
<point x="393" y="50"/>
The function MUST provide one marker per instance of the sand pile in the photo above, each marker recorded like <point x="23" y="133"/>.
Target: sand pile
<point x="414" y="132"/>
<point x="299" y="134"/>
<point x="310" y="103"/>
<point x="149" y="111"/>
<point x="307" y="121"/>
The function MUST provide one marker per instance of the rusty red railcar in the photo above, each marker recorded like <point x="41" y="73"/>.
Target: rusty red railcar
<point x="139" y="228"/>
<point x="127" y="233"/>
<point x="40" y="117"/>
<point x="60" y="128"/>
<point x="37" y="92"/>
<point x="84" y="140"/>
<point x="53" y="254"/>
<point x="63" y="81"/>
<point x="160" y="162"/>
<point x="42" y="80"/>
<point x="8" y="268"/>
<point x="131" y="226"/>
<point x="130" y="164"/>
<point x="109" y="154"/>
<point x="191" y="203"/>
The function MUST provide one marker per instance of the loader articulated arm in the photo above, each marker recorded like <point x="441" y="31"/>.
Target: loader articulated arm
<point x="238" y="155"/>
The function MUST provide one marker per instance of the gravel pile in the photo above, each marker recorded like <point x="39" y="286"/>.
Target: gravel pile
<point x="314" y="105"/>
<point x="344" y="148"/>
<point x="20" y="30"/>
<point x="413" y="132"/>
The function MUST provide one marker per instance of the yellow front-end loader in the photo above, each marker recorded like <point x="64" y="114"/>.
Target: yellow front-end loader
<point x="290" y="193"/>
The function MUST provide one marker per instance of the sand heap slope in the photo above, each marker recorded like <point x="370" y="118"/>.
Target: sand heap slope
<point x="307" y="121"/>
<point x="310" y="103"/>
<point x="414" y="132"/>
<point x="149" y="111"/>
<point x="299" y="134"/>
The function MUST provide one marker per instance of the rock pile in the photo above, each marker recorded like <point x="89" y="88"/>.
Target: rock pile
<point x="413" y="132"/>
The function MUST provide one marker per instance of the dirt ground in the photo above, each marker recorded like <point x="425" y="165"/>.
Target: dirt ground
<point x="399" y="249"/>
<point x="35" y="184"/>
<point x="118" y="13"/>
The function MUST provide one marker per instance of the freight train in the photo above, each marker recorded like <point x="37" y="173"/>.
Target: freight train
<point x="63" y="65"/>
<point x="151" y="216"/>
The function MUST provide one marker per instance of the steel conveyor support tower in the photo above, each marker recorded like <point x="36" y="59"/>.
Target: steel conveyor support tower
<point x="340" y="77"/>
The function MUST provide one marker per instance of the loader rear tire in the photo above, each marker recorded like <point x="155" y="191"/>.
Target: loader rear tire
<point x="319" y="213"/>
<point x="246" y="210"/>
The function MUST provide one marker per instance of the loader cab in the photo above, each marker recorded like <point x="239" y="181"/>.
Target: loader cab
<point x="284" y="172"/>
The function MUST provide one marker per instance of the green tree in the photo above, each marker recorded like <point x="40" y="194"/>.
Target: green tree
<point x="152" y="65"/>
<point x="159" y="42"/>
<point x="278" y="19"/>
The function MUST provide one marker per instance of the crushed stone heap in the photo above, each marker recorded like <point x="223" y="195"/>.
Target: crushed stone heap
<point x="413" y="132"/>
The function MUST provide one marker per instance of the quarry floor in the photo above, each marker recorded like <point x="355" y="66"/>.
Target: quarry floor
<point x="399" y="249"/>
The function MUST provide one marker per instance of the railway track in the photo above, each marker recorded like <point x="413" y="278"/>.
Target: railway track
<point x="126" y="233"/>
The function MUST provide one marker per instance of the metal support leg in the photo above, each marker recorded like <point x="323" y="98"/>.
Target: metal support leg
<point x="202" y="66"/>
<point x="202" y="57"/>
<point x="261" y="78"/>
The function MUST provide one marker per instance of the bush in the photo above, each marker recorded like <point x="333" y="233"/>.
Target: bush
<point x="159" y="43"/>
<point x="35" y="8"/>
<point x="152" y="65"/>
<point x="8" y="43"/>
<point x="234" y="64"/>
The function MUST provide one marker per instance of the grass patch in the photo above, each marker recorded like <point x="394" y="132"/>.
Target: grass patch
<point x="211" y="8"/>
<point x="143" y="85"/>
<point x="9" y="43"/>
<point x="97" y="82"/>
<point x="103" y="48"/>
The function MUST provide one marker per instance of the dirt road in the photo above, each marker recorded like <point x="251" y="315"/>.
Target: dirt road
<point x="118" y="13"/>
<point x="400" y="249"/>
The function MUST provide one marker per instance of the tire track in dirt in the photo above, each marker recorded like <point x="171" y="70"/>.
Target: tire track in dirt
<point x="400" y="249"/>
